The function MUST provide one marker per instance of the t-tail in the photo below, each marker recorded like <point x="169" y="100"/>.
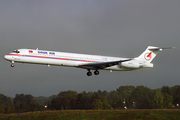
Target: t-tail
<point x="149" y="54"/>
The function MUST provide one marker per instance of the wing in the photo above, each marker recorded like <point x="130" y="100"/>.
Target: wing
<point x="102" y="65"/>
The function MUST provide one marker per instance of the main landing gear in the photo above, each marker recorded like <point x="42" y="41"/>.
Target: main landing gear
<point x="12" y="63"/>
<point x="89" y="73"/>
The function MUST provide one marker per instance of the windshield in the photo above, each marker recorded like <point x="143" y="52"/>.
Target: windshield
<point x="16" y="51"/>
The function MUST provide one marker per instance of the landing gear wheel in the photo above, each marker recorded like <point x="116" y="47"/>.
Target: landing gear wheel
<point x="96" y="72"/>
<point x="12" y="65"/>
<point x="89" y="73"/>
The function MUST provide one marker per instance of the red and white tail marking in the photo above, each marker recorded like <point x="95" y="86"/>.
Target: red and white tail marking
<point x="149" y="54"/>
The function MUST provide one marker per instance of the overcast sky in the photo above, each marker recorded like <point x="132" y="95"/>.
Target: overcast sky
<point x="122" y="28"/>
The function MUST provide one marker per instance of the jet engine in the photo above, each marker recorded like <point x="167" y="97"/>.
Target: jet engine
<point x="130" y="64"/>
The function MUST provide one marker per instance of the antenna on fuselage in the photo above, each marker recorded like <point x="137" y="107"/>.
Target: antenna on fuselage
<point x="36" y="48"/>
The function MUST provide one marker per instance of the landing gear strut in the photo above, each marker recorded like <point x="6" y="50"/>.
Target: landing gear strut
<point x="12" y="63"/>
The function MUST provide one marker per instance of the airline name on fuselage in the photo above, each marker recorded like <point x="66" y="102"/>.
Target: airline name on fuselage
<point x="44" y="52"/>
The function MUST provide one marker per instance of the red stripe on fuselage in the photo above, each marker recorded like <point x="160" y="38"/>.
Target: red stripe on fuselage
<point x="38" y="56"/>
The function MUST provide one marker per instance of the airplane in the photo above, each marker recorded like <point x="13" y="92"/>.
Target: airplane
<point x="84" y="61"/>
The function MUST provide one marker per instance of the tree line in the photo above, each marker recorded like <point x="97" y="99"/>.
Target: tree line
<point x="125" y="97"/>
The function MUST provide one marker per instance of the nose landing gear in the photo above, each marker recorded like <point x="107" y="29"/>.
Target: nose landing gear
<point x="12" y="63"/>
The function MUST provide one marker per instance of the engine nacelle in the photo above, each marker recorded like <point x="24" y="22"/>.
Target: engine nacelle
<point x="130" y="64"/>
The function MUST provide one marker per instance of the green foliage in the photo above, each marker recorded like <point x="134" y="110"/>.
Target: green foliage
<point x="158" y="99"/>
<point x="125" y="93"/>
<point x="139" y="97"/>
<point x="97" y="105"/>
<point x="41" y="100"/>
<point x="96" y="115"/>
<point x="25" y="103"/>
<point x="142" y="96"/>
<point x="6" y="105"/>
<point x="105" y="103"/>
<point x="84" y="100"/>
<point x="176" y="94"/>
<point x="102" y="97"/>
<point x="167" y="94"/>
<point x="64" y="101"/>
<point x="115" y="100"/>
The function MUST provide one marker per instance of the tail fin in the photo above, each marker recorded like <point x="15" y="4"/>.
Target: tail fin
<point x="150" y="53"/>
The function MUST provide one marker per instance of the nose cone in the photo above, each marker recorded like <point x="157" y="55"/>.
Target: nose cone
<point x="6" y="57"/>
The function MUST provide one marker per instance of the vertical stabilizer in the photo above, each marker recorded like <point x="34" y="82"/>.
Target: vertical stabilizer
<point x="150" y="53"/>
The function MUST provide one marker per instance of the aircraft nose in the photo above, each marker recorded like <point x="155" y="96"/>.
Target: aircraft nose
<point x="6" y="57"/>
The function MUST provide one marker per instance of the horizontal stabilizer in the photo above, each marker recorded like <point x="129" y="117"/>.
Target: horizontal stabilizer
<point x="158" y="48"/>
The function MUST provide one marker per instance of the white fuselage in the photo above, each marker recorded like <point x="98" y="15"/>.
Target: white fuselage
<point x="84" y="61"/>
<point x="60" y="58"/>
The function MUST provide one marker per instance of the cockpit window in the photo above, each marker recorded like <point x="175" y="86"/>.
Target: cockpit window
<point x="16" y="51"/>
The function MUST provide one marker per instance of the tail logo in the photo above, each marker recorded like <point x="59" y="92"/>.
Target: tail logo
<point x="147" y="56"/>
